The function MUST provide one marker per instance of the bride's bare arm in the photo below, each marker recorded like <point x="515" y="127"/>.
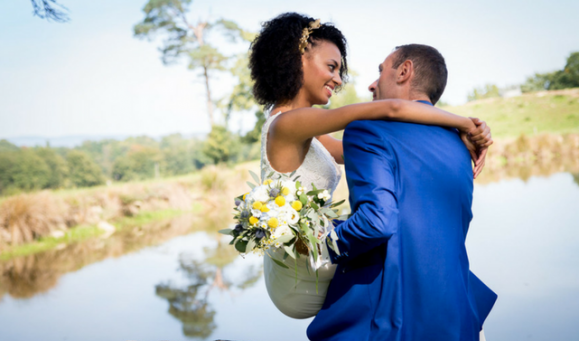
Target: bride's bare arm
<point x="290" y="126"/>
<point x="334" y="146"/>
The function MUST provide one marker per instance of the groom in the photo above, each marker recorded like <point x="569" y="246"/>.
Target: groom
<point x="403" y="271"/>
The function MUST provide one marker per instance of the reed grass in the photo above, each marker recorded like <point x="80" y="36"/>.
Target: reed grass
<point x="84" y="232"/>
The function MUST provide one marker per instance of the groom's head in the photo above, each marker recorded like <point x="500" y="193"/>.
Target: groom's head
<point x="411" y="72"/>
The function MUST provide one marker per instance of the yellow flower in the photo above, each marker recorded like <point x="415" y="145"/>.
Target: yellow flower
<point x="297" y="205"/>
<point x="280" y="201"/>
<point x="264" y="209"/>
<point x="257" y="205"/>
<point x="273" y="222"/>
<point x="267" y="182"/>
<point x="253" y="220"/>
<point x="285" y="191"/>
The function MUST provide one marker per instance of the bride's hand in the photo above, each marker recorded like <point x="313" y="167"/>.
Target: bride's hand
<point x="481" y="135"/>
<point x="477" y="142"/>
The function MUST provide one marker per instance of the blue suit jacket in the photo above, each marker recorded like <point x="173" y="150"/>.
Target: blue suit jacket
<point x="403" y="272"/>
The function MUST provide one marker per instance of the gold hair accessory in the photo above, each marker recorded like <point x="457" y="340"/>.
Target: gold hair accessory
<point x="306" y="34"/>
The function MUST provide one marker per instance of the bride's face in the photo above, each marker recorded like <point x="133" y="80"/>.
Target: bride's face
<point x="321" y="66"/>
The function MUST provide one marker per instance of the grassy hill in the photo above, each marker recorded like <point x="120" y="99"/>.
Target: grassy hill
<point x="529" y="114"/>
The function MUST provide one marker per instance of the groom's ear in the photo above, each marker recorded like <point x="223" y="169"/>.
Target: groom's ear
<point x="405" y="72"/>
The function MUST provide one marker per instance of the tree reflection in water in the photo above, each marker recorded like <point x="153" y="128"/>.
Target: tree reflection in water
<point x="189" y="303"/>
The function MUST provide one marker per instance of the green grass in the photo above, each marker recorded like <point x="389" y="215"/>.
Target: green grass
<point x="84" y="232"/>
<point x="530" y="114"/>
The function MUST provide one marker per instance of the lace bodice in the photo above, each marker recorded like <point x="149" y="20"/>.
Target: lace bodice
<point x="319" y="167"/>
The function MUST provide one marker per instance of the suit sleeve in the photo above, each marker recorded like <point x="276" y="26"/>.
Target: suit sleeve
<point x="372" y="185"/>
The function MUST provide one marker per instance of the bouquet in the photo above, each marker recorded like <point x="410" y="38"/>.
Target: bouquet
<point x="281" y="213"/>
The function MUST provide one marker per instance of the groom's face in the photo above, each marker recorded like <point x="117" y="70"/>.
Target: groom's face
<point x="385" y="86"/>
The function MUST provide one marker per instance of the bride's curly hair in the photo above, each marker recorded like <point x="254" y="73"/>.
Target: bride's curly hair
<point x="275" y="61"/>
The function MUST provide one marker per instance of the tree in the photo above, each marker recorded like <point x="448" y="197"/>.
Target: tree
<point x="7" y="146"/>
<point x="556" y="80"/>
<point x="140" y="163"/>
<point x="50" y="10"/>
<point x="220" y="145"/>
<point x="184" y="38"/>
<point x="24" y="170"/>
<point x="538" y="82"/>
<point x="254" y="135"/>
<point x="84" y="172"/>
<point x="488" y="91"/>
<point x="176" y="155"/>
<point x="569" y="76"/>
<point x="57" y="166"/>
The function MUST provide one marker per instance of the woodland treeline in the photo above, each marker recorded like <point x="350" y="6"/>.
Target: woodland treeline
<point x="24" y="169"/>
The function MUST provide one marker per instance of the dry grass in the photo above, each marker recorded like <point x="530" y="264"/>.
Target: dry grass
<point x="28" y="217"/>
<point x="525" y="156"/>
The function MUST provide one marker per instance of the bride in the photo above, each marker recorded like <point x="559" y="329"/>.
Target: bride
<point x="297" y="63"/>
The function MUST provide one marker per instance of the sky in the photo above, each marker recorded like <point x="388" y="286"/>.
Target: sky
<point x="91" y="77"/>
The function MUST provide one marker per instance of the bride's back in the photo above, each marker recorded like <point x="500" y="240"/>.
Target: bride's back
<point x="318" y="167"/>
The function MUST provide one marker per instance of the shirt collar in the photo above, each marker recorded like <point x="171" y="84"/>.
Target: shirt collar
<point x="425" y="102"/>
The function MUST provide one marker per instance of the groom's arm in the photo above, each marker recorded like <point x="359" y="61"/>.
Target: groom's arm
<point x="370" y="173"/>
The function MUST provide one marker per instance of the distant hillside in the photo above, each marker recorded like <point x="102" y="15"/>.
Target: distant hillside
<point x="75" y="140"/>
<point x="530" y="114"/>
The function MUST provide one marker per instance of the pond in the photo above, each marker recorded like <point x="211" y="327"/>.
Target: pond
<point x="523" y="242"/>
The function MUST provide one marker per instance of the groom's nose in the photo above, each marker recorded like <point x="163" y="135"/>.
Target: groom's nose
<point x="372" y="86"/>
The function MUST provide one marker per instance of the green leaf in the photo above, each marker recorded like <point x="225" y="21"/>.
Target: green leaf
<point x="297" y="177"/>
<point x="334" y="235"/>
<point x="250" y="245"/>
<point x="315" y="206"/>
<point x="255" y="177"/>
<point x="285" y="238"/>
<point x="293" y="173"/>
<point x="298" y="184"/>
<point x="280" y="263"/>
<point x="251" y="185"/>
<point x="225" y="231"/>
<point x="337" y="203"/>
<point x="241" y="246"/>
<point x="270" y="174"/>
<point x="315" y="192"/>
<point x="315" y="252"/>
<point x="289" y="252"/>
<point x="303" y="199"/>
<point x="329" y="212"/>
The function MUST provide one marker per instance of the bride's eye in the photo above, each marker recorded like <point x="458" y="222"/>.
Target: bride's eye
<point x="332" y="67"/>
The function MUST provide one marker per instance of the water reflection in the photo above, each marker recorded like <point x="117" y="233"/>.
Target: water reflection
<point x="24" y="277"/>
<point x="189" y="303"/>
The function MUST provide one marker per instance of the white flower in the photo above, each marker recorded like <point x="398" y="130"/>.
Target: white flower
<point x="256" y="213"/>
<point x="281" y="230"/>
<point x="301" y="190"/>
<point x="260" y="193"/>
<point x="325" y="195"/>
<point x="277" y="244"/>
<point x="293" y="216"/>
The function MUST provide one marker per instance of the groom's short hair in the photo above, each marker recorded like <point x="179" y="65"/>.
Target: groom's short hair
<point x="429" y="68"/>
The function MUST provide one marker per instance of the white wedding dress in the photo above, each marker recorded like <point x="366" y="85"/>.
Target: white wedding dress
<point x="298" y="299"/>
